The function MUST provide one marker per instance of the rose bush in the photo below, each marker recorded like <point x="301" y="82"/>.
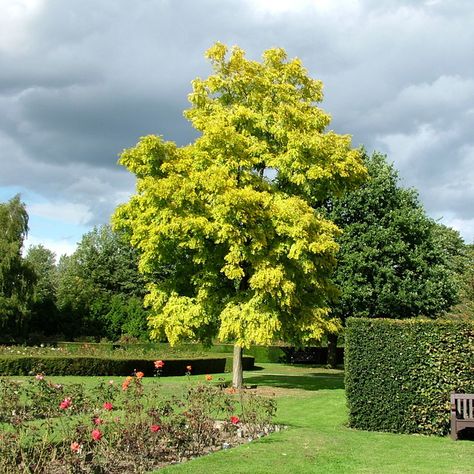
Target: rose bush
<point x="120" y="428"/>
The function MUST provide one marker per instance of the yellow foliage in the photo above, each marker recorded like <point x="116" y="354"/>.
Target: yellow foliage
<point x="229" y="250"/>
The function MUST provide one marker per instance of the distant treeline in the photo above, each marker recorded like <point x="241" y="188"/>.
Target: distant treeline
<point x="95" y="293"/>
<point x="394" y="261"/>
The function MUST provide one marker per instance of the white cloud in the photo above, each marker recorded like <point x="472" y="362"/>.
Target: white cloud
<point x="61" y="211"/>
<point x="464" y="226"/>
<point x="58" y="246"/>
<point x="14" y="20"/>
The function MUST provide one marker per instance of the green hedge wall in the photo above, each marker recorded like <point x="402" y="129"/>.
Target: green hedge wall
<point x="399" y="374"/>
<point x="108" y="366"/>
<point x="262" y="354"/>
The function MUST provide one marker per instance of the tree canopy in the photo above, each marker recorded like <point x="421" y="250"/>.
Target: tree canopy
<point x="44" y="315"/>
<point x="16" y="278"/>
<point x="394" y="260"/>
<point x="96" y="286"/>
<point x="247" y="257"/>
<point x="465" y="307"/>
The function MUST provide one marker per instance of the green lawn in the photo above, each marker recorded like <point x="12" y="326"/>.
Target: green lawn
<point x="312" y="405"/>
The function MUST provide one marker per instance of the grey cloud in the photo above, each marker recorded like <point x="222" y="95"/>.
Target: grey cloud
<point x="96" y="76"/>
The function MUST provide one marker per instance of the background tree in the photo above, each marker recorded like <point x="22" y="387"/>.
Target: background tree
<point x="249" y="259"/>
<point x="465" y="307"/>
<point x="16" y="277"/>
<point x="394" y="261"/>
<point x="44" y="313"/>
<point x="96" y="284"/>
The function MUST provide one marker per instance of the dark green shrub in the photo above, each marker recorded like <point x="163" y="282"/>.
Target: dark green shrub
<point x="311" y="355"/>
<point x="262" y="354"/>
<point x="399" y="374"/>
<point x="107" y="366"/>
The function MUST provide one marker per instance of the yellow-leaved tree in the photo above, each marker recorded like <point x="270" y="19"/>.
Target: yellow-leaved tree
<point x="227" y="238"/>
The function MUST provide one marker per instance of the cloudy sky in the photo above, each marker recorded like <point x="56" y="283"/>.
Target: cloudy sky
<point x="80" y="80"/>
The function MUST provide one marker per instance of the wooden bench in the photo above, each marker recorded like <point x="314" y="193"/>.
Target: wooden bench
<point x="462" y="412"/>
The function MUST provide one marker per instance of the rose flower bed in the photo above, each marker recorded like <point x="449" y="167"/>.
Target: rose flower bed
<point x="117" y="428"/>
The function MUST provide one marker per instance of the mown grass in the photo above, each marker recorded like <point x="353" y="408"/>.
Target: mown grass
<point x="311" y="403"/>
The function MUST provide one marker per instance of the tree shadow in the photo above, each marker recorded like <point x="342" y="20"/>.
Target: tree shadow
<point x="311" y="382"/>
<point x="255" y="368"/>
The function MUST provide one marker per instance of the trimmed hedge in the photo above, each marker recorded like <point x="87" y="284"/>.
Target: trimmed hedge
<point x="311" y="355"/>
<point x="262" y="354"/>
<point x="108" y="366"/>
<point x="399" y="374"/>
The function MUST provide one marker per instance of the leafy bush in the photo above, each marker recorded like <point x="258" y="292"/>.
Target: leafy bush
<point x="399" y="374"/>
<point x="120" y="429"/>
<point x="311" y="355"/>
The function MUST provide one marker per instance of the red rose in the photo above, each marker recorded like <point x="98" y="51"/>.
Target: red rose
<point x="65" y="404"/>
<point x="108" y="406"/>
<point x="96" y="435"/>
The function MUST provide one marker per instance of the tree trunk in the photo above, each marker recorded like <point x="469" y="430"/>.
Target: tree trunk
<point x="237" y="373"/>
<point x="332" y="350"/>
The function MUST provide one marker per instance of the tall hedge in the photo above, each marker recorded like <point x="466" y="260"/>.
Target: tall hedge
<point x="399" y="373"/>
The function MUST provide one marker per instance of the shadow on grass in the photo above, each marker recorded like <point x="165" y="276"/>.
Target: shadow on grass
<point x="309" y="382"/>
<point x="255" y="368"/>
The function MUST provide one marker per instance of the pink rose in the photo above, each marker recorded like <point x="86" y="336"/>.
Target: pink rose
<point x="65" y="404"/>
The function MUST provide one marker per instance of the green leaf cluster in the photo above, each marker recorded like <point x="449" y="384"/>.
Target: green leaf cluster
<point x="400" y="373"/>
<point x="16" y="276"/>
<point x="465" y="271"/>
<point x="229" y="217"/>
<point x="394" y="260"/>
<point x="43" y="308"/>
<point x="99" y="290"/>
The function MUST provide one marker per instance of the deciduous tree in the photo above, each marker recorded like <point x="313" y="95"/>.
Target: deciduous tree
<point x="465" y="271"/>
<point x="44" y="314"/>
<point x="249" y="259"/>
<point x="95" y="283"/>
<point x="16" y="278"/>
<point x="394" y="261"/>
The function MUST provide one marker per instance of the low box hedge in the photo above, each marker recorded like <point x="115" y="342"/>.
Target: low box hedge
<point x="109" y="366"/>
<point x="399" y="374"/>
<point x="262" y="354"/>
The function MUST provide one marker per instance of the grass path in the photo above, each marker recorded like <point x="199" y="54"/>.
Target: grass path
<point x="312" y="405"/>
